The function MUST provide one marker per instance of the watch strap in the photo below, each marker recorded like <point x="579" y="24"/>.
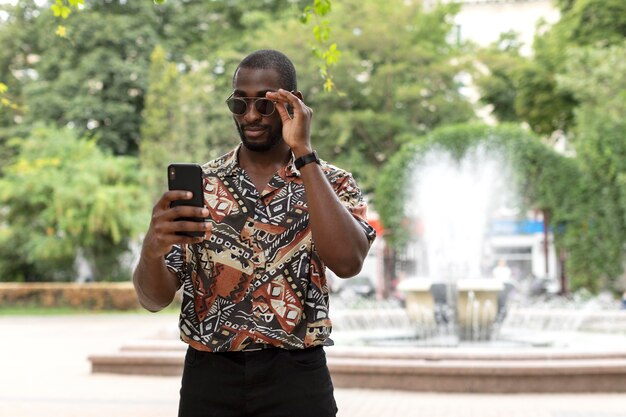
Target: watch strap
<point x="306" y="159"/>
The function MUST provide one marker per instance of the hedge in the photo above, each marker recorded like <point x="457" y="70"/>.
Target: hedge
<point x="92" y="296"/>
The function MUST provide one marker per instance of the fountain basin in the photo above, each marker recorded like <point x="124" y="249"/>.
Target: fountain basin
<point x="458" y="370"/>
<point x="477" y="306"/>
<point x="473" y="304"/>
<point x="480" y="370"/>
<point x="420" y="304"/>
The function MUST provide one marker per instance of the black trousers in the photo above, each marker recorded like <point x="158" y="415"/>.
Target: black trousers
<point x="264" y="383"/>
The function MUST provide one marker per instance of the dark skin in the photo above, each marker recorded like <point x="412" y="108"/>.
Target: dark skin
<point x="339" y="239"/>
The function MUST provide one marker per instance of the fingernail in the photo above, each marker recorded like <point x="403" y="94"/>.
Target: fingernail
<point x="205" y="212"/>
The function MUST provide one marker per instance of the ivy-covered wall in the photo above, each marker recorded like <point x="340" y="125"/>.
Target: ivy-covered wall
<point x="545" y="179"/>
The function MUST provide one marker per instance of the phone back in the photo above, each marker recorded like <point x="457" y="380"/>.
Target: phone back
<point x="187" y="177"/>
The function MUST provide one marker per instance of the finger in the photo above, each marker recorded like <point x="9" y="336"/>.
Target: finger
<point x="191" y="240"/>
<point x="187" y="226"/>
<point x="170" y="214"/>
<point x="162" y="221"/>
<point x="283" y="113"/>
<point x="281" y="100"/>
<point x="284" y="96"/>
<point x="173" y="195"/>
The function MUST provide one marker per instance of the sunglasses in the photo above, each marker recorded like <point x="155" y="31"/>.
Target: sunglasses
<point x="239" y="105"/>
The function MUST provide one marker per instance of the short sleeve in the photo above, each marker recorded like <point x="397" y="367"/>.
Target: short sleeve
<point x="350" y="196"/>
<point x="176" y="262"/>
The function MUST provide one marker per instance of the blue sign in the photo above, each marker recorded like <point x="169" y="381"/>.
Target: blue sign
<point x="515" y="227"/>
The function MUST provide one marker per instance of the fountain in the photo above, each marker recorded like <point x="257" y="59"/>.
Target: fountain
<point x="453" y="202"/>
<point x="461" y="335"/>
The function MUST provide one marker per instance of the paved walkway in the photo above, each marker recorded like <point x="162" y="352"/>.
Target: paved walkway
<point x="44" y="372"/>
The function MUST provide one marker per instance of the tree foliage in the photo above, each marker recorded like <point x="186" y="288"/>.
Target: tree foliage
<point x="575" y="83"/>
<point x="496" y="76"/>
<point x="93" y="81"/>
<point x="95" y="78"/>
<point x="381" y="92"/>
<point x="533" y="81"/>
<point x="398" y="73"/>
<point x="181" y="121"/>
<point x="61" y="194"/>
<point x="597" y="79"/>
<point x="324" y="48"/>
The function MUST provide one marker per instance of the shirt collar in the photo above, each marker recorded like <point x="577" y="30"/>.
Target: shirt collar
<point x="290" y="169"/>
<point x="230" y="165"/>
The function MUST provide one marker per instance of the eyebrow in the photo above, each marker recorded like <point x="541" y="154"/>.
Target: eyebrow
<point x="241" y="93"/>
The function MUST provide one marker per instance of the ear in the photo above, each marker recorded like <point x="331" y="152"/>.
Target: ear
<point x="298" y="94"/>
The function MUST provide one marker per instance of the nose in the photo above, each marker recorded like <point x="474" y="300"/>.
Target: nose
<point x="252" y="114"/>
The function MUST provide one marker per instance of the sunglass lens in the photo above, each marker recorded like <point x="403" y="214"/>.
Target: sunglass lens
<point x="264" y="106"/>
<point x="237" y="106"/>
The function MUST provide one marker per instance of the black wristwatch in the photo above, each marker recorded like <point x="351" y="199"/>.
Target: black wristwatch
<point x="306" y="159"/>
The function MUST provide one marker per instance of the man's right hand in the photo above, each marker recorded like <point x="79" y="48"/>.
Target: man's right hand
<point x="162" y="235"/>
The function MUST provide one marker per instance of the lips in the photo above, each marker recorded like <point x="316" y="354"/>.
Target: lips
<point x="254" y="132"/>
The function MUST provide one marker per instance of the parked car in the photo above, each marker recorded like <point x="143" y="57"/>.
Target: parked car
<point x="359" y="286"/>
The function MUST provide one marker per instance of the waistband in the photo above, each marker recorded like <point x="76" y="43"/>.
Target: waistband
<point x="255" y="347"/>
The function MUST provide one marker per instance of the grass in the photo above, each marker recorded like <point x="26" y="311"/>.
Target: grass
<point x="33" y="310"/>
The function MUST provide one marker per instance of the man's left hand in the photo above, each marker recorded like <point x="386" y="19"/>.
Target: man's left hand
<point x="296" y="129"/>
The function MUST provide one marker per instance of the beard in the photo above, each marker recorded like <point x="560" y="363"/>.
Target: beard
<point x="272" y="138"/>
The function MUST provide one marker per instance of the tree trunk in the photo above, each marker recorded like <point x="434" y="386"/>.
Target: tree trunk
<point x="564" y="286"/>
<point x="546" y="240"/>
<point x="389" y="266"/>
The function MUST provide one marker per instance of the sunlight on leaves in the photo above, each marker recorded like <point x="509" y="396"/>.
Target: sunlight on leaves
<point x="61" y="31"/>
<point x="327" y="54"/>
<point x="60" y="10"/>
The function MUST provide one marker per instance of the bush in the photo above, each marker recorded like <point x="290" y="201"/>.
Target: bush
<point x="92" y="296"/>
<point x="61" y="195"/>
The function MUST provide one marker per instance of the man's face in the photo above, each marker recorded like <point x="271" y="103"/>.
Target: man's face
<point x="258" y="133"/>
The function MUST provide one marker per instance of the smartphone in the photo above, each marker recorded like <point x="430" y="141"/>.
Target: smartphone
<point x="187" y="177"/>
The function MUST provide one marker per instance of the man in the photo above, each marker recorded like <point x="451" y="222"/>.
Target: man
<point x="255" y="297"/>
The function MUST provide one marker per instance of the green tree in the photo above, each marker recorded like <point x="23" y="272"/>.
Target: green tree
<point x="533" y="81"/>
<point x="388" y="82"/>
<point x="61" y="194"/>
<point x="95" y="78"/>
<point x="597" y="79"/>
<point x="397" y="73"/>
<point x="498" y="66"/>
<point x="93" y="81"/>
<point x="181" y="121"/>
<point x="575" y="83"/>
<point x="159" y="119"/>
<point x="324" y="49"/>
<point x="15" y="58"/>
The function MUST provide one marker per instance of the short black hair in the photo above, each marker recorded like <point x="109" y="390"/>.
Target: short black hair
<point x="272" y="59"/>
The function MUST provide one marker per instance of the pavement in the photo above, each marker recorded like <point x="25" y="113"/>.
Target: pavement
<point x="44" y="372"/>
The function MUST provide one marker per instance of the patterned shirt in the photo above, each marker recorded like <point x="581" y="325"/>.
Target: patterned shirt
<point x="257" y="280"/>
